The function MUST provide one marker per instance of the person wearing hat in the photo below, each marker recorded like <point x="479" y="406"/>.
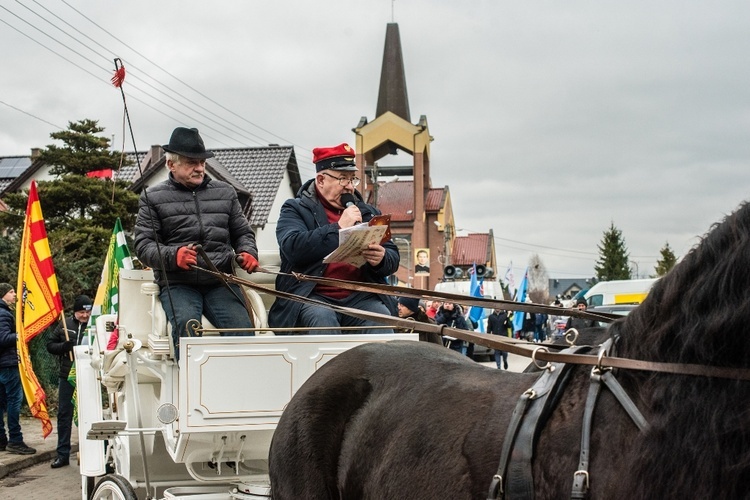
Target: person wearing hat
<point x="451" y="314"/>
<point x="61" y="343"/>
<point x="577" y="323"/>
<point x="11" y="390"/>
<point x="409" y="308"/>
<point x="188" y="209"/>
<point x="308" y="230"/>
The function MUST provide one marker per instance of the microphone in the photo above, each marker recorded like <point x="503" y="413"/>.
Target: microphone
<point x="348" y="199"/>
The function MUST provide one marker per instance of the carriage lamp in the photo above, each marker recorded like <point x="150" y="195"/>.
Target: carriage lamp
<point x="167" y="413"/>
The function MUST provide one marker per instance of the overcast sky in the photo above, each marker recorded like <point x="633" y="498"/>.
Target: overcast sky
<point x="551" y="120"/>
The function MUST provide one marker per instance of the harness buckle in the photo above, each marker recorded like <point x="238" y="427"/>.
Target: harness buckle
<point x="496" y="487"/>
<point x="585" y="475"/>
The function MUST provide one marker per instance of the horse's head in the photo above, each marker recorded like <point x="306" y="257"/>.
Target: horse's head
<point x="698" y="313"/>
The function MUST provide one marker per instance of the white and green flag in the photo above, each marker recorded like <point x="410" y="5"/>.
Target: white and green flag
<point x="107" y="296"/>
<point x="118" y="257"/>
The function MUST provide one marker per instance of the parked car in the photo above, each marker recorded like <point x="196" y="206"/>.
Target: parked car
<point x="618" y="309"/>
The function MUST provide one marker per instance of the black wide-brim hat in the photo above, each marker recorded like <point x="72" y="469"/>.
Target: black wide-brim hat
<point x="187" y="142"/>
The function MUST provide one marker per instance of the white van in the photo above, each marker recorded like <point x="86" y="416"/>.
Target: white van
<point x="619" y="292"/>
<point x="491" y="289"/>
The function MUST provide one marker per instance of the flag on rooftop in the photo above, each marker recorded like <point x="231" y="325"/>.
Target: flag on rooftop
<point x="40" y="302"/>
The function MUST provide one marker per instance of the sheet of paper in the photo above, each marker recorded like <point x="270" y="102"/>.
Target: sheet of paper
<point x="352" y="241"/>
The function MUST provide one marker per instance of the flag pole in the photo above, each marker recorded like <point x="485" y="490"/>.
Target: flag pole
<point x="67" y="337"/>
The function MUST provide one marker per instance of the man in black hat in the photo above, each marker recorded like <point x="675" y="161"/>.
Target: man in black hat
<point x="410" y="308"/>
<point x="189" y="209"/>
<point x="11" y="390"/>
<point x="308" y="230"/>
<point x="577" y="323"/>
<point x="61" y="343"/>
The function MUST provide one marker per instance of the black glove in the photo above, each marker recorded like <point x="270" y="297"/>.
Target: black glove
<point x="68" y="345"/>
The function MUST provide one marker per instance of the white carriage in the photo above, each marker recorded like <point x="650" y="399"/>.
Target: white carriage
<point x="149" y="428"/>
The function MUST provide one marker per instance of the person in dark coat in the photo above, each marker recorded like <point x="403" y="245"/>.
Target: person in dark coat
<point x="61" y="343"/>
<point x="408" y="308"/>
<point x="11" y="391"/>
<point x="578" y="323"/>
<point x="451" y="315"/>
<point x="189" y="209"/>
<point x="498" y="324"/>
<point x="308" y="230"/>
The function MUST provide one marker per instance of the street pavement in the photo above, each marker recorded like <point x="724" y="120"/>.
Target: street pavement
<point x="45" y="448"/>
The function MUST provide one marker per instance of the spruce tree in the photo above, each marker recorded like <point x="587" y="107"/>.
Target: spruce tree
<point x="79" y="211"/>
<point x="667" y="261"/>
<point x="613" y="256"/>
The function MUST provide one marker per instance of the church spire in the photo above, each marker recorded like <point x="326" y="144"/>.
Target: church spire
<point x="392" y="95"/>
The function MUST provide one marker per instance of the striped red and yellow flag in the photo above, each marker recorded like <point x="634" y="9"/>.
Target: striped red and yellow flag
<point x="40" y="303"/>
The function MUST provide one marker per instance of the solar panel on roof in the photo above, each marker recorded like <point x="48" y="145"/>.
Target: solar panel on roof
<point x="10" y="168"/>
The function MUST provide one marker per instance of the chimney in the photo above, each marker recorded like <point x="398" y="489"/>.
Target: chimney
<point x="156" y="153"/>
<point x="34" y="153"/>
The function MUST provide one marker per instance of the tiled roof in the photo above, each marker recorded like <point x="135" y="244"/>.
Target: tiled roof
<point x="259" y="169"/>
<point x="470" y="249"/>
<point x="435" y="199"/>
<point x="397" y="199"/>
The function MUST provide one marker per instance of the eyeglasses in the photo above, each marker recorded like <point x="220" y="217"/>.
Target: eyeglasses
<point x="343" y="181"/>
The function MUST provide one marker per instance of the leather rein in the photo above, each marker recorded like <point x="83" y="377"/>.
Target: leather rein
<point x="546" y="353"/>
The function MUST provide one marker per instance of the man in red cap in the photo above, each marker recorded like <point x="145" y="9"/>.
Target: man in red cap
<point x="308" y="230"/>
<point x="188" y="209"/>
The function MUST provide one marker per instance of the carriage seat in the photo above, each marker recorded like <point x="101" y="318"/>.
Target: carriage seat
<point x="142" y="317"/>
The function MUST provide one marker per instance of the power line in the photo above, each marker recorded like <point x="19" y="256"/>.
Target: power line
<point x="234" y="127"/>
<point x="31" y="115"/>
<point x="180" y="80"/>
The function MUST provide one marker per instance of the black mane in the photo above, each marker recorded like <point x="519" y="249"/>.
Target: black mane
<point x="699" y="442"/>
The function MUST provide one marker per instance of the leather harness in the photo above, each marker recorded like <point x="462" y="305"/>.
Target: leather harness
<point x="537" y="403"/>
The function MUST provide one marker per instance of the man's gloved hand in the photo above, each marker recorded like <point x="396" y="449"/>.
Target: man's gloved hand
<point x="247" y="262"/>
<point x="186" y="257"/>
<point x="68" y="345"/>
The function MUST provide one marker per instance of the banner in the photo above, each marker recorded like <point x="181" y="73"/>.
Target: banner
<point x="39" y="302"/>
<point x="510" y="281"/>
<point x="475" y="290"/>
<point x="518" y="316"/>
<point x="107" y="295"/>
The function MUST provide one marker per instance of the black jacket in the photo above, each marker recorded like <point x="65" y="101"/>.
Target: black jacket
<point x="56" y="342"/>
<point x="8" y="337"/>
<point x="176" y="216"/>
<point x="452" y="319"/>
<point x="305" y="237"/>
<point x="498" y="324"/>
<point x="422" y="317"/>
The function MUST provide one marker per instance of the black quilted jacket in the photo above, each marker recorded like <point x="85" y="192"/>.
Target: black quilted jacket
<point x="176" y="216"/>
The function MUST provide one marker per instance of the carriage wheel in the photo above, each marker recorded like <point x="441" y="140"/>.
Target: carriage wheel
<point x="114" y="487"/>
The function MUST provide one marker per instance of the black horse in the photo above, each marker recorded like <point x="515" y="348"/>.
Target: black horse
<point x="412" y="420"/>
